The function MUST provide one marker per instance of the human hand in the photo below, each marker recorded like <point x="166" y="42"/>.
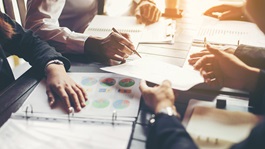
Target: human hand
<point x="158" y="97"/>
<point x="147" y="12"/>
<point x="59" y="84"/>
<point x="114" y="47"/>
<point x="223" y="69"/>
<point x="196" y="56"/>
<point x="227" y="12"/>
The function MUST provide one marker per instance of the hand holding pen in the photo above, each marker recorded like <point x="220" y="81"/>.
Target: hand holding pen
<point x="132" y="49"/>
<point x="116" y="46"/>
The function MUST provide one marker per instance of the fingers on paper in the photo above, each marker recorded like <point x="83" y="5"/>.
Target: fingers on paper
<point x="202" y="62"/>
<point x="192" y="61"/>
<point x="219" y="8"/>
<point x="200" y="54"/>
<point x="50" y="96"/>
<point x="230" y="15"/>
<point x="166" y="83"/>
<point x="143" y="86"/>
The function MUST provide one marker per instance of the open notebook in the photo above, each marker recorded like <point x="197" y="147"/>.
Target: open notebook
<point x="160" y="32"/>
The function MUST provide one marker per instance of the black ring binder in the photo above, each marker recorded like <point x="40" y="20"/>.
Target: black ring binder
<point x="114" y="116"/>
<point x="26" y="110"/>
<point x="72" y="112"/>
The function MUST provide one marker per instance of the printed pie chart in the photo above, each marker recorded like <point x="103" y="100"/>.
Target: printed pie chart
<point x="100" y="103"/>
<point x="121" y="104"/>
<point x="88" y="81"/>
<point x="128" y="82"/>
<point x="107" y="82"/>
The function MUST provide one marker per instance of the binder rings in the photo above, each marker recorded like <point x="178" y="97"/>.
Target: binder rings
<point x="33" y="130"/>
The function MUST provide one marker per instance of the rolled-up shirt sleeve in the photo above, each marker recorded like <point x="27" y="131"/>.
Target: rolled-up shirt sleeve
<point x="43" y="18"/>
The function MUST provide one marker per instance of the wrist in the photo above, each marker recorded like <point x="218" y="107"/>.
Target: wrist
<point x="92" y="44"/>
<point x="53" y="65"/>
<point x="163" y="104"/>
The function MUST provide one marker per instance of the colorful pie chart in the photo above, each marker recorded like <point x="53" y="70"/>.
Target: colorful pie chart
<point x="121" y="104"/>
<point x="100" y="103"/>
<point x="107" y="82"/>
<point x="88" y="81"/>
<point x="128" y="82"/>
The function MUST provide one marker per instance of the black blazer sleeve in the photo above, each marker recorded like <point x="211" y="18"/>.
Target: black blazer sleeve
<point x="252" y="56"/>
<point x="257" y="98"/>
<point x="168" y="133"/>
<point x="29" y="47"/>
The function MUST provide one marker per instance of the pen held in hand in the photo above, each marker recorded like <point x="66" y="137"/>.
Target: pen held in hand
<point x="128" y="47"/>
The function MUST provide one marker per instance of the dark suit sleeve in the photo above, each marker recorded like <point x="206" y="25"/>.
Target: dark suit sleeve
<point x="168" y="133"/>
<point x="255" y="140"/>
<point x="252" y="56"/>
<point x="29" y="47"/>
<point x="257" y="98"/>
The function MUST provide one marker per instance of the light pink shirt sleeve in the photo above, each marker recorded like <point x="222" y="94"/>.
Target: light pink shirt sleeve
<point x="43" y="19"/>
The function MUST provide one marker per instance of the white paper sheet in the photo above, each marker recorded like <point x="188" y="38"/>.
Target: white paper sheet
<point x="106" y="92"/>
<point x="161" y="32"/>
<point x="156" y="71"/>
<point x="38" y="134"/>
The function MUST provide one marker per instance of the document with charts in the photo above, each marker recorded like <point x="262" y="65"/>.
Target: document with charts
<point x="157" y="71"/>
<point x="229" y="32"/>
<point x="106" y="93"/>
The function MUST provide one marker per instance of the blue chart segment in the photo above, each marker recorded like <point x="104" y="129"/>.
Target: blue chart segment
<point x="107" y="82"/>
<point x="88" y="81"/>
<point x="126" y="82"/>
<point x="121" y="104"/>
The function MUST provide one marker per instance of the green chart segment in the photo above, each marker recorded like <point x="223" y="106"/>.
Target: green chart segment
<point x="107" y="82"/>
<point x="101" y="103"/>
<point x="128" y="82"/>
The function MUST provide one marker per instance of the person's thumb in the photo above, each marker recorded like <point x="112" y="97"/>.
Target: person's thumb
<point x="139" y="18"/>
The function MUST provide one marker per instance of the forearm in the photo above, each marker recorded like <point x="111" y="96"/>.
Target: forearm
<point x="168" y="132"/>
<point x="26" y="45"/>
<point x="43" y="18"/>
<point x="252" y="56"/>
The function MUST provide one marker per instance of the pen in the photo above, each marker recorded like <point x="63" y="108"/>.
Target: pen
<point x="204" y="42"/>
<point x="128" y="47"/>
